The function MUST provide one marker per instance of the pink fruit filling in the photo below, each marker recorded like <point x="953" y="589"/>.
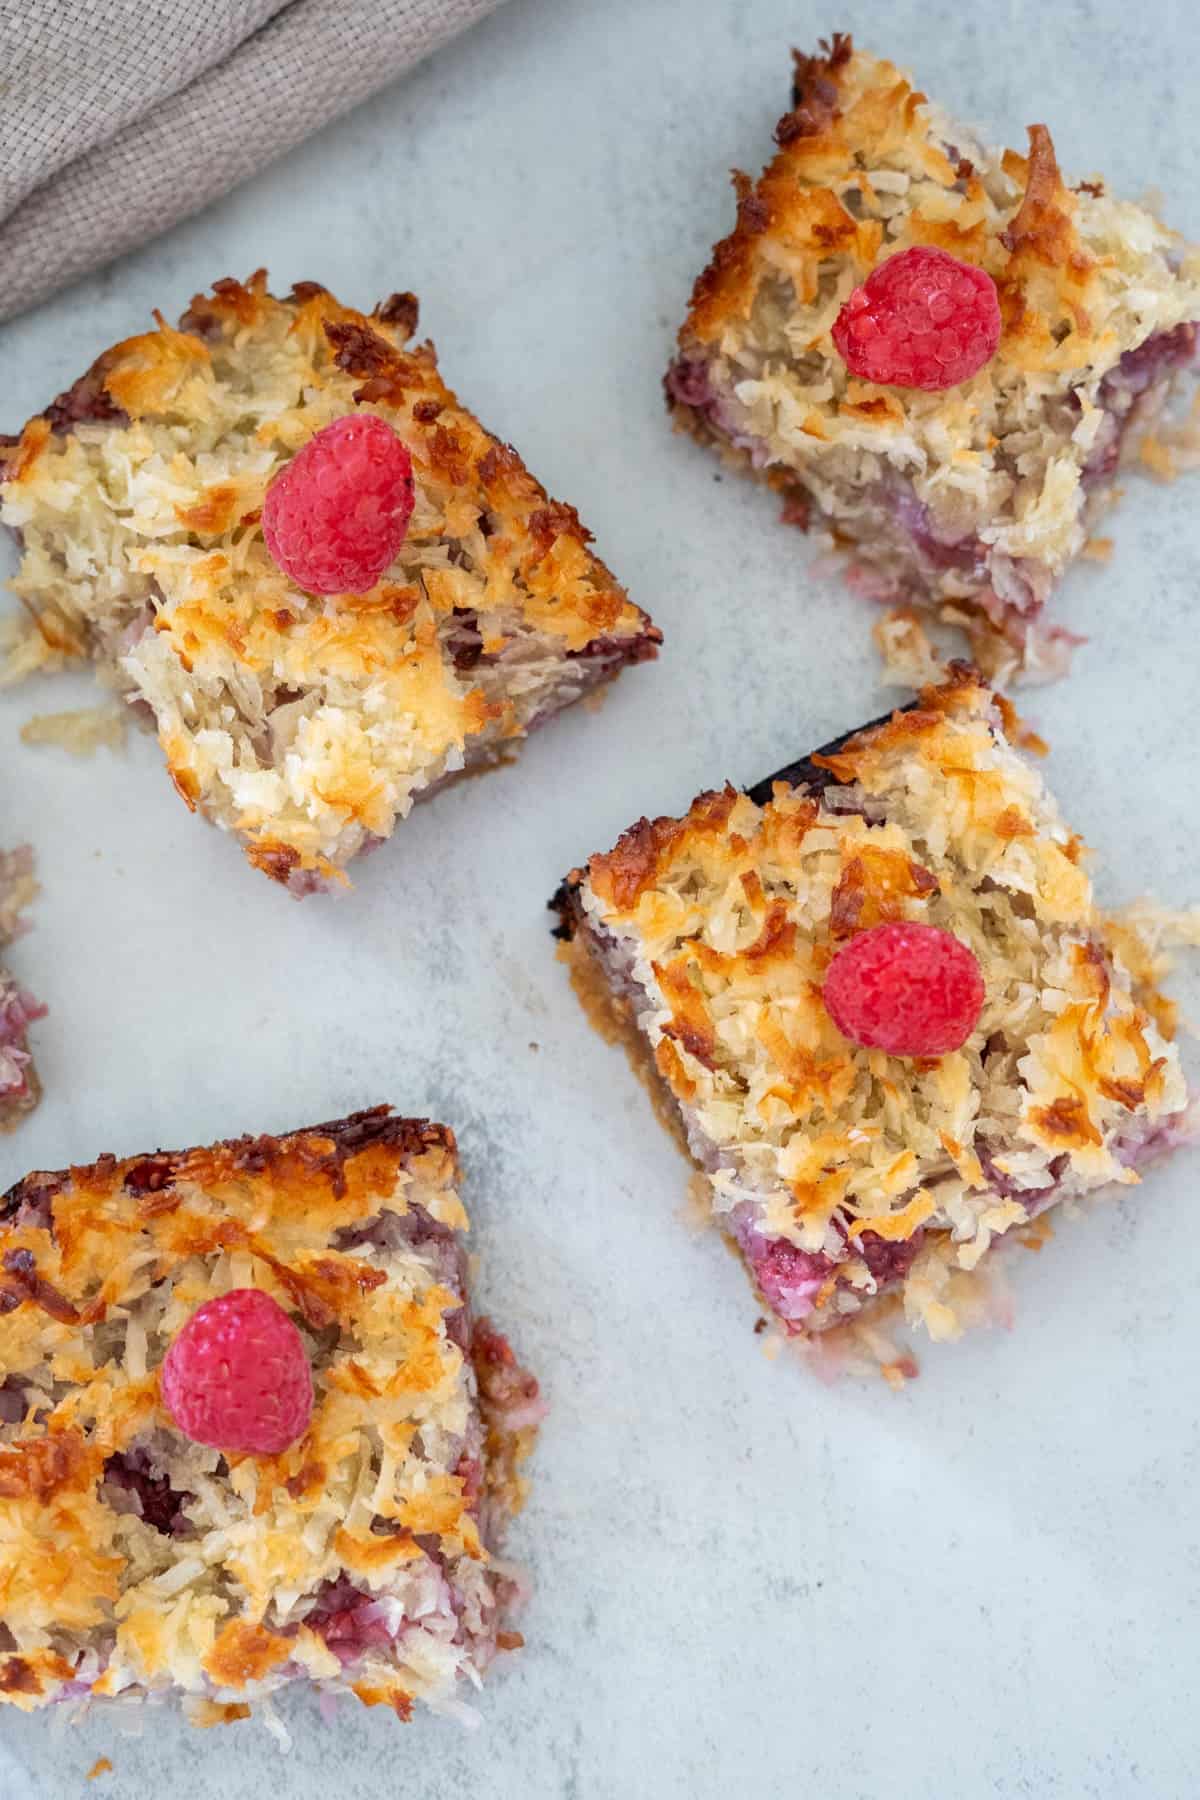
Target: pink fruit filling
<point x="149" y="1495"/>
<point x="902" y="554"/>
<point x="18" y="1010"/>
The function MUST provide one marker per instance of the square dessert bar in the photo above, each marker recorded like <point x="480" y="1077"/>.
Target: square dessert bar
<point x="970" y="501"/>
<point x="843" y="1173"/>
<point x="20" y="1089"/>
<point x="305" y="723"/>
<point x="138" y="1563"/>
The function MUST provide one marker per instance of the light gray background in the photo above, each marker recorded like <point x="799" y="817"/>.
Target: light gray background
<point x="746" y="1582"/>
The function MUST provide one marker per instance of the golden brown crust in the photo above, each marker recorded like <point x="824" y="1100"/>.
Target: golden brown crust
<point x="311" y="1160"/>
<point x="644" y="851"/>
<point x="850" y="111"/>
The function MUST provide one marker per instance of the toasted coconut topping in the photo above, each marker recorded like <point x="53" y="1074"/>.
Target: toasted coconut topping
<point x="1082" y="277"/>
<point x="720" y="925"/>
<point x="306" y="724"/>
<point x="132" y="1559"/>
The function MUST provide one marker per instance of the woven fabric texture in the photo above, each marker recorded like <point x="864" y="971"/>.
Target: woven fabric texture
<point x="121" y="116"/>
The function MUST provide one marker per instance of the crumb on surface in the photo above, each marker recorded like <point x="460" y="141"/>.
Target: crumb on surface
<point x="81" y="730"/>
<point x="1158" y="458"/>
<point x="30" y="646"/>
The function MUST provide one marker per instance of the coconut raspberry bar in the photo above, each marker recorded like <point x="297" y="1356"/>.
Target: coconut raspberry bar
<point x="280" y="534"/>
<point x="879" y="1001"/>
<point x="939" y="351"/>
<point x="20" y="1088"/>
<point x="249" y="1433"/>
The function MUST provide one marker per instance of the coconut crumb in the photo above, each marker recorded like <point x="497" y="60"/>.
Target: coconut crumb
<point x="101" y="1766"/>
<point x="81" y="731"/>
<point x="910" y="659"/>
<point x="1178" y="440"/>
<point x="1145" y="934"/>
<point x="1036" y="1235"/>
<point x="31" y="647"/>
<point x="18" y="889"/>
<point x="696" y="1211"/>
<point x="20" y="1087"/>
<point x="1158" y="458"/>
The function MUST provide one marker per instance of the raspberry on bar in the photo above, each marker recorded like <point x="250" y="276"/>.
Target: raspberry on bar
<point x="879" y="1000"/>
<point x="237" y="1376"/>
<point x="249" y="1431"/>
<point x="922" y="320"/>
<point x="938" y="351"/>
<point x="334" y="518"/>
<point x="278" y="532"/>
<point x="912" y="990"/>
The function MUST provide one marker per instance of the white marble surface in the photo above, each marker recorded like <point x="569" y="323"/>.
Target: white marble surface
<point x="987" y="1585"/>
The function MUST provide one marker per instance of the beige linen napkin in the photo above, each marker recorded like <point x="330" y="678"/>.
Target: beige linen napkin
<point x="118" y="117"/>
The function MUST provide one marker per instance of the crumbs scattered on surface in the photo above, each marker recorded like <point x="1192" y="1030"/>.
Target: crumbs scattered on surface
<point x="898" y="1373"/>
<point x="1098" y="549"/>
<point x="82" y="731"/>
<point x="33" y="647"/>
<point x="697" y="1208"/>
<point x="18" y="889"/>
<point x="101" y="1766"/>
<point x="1158" y="458"/>
<point x="910" y="659"/>
<point x="1037" y="1234"/>
<point x="1175" y="444"/>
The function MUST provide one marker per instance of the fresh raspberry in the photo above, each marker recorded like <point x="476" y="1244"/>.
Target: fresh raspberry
<point x="911" y="990"/>
<point x="922" y="319"/>
<point x="237" y="1375"/>
<point x="336" y="516"/>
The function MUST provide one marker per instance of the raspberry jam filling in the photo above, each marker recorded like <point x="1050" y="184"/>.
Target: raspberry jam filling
<point x="131" y="1472"/>
<point x="18" y="1010"/>
<point x="790" y="1279"/>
